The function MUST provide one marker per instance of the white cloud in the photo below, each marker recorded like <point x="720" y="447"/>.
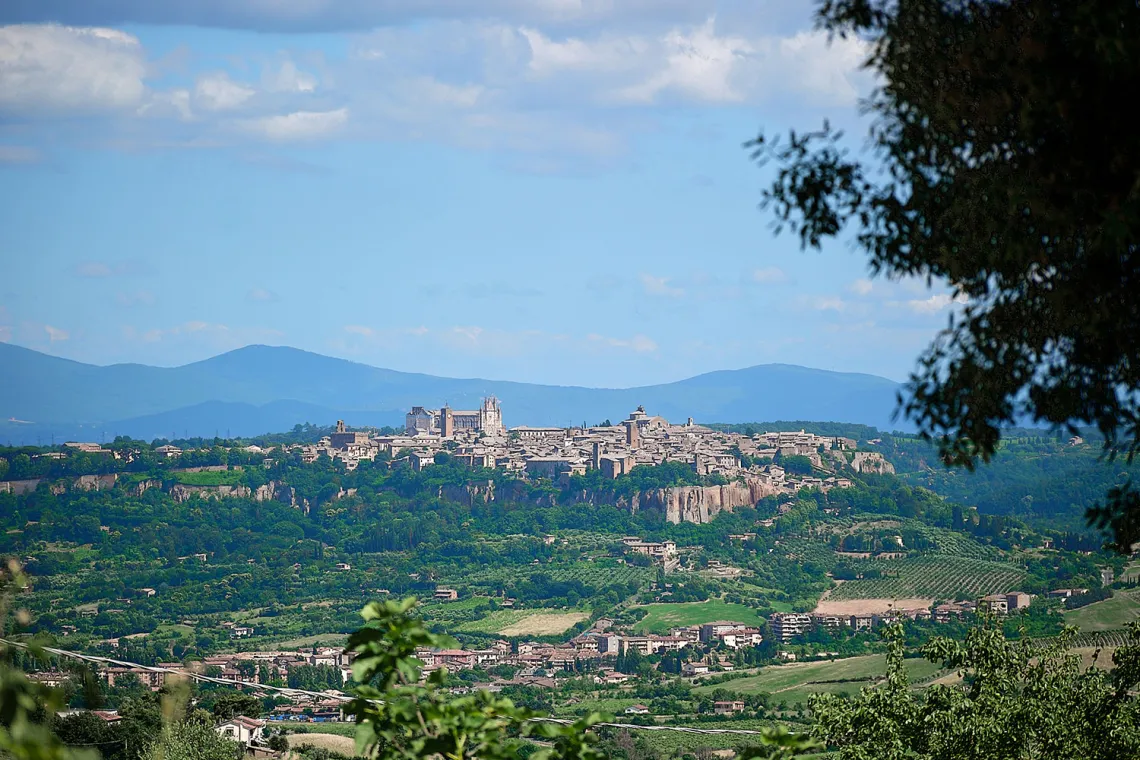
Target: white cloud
<point x="299" y="125"/>
<point x="469" y="334"/>
<point x="169" y="104"/>
<point x="261" y="294"/>
<point x="861" y="287"/>
<point x="829" y="69"/>
<point x="359" y="330"/>
<point x="659" y="286"/>
<point x="554" y="101"/>
<point x="698" y="64"/>
<point x="769" y="275"/>
<point x="55" y="334"/>
<point x="830" y="304"/>
<point x="934" y="303"/>
<point x="51" y="68"/>
<point x="354" y="15"/>
<point x="288" y="78"/>
<point x="549" y="57"/>
<point x="217" y="92"/>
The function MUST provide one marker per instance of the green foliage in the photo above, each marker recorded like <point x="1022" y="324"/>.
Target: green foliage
<point x="662" y="617"/>
<point x="851" y="430"/>
<point x="1038" y="479"/>
<point x="191" y="740"/>
<point x="1017" y="699"/>
<point x="399" y="717"/>
<point x="231" y="704"/>
<point x="1001" y="166"/>
<point x="795" y="464"/>
<point x="25" y="706"/>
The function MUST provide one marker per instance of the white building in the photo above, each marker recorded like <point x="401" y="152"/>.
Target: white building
<point x="242" y="729"/>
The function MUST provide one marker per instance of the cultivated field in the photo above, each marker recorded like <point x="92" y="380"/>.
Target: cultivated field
<point x="1098" y="656"/>
<point x="545" y="624"/>
<point x="1117" y="612"/>
<point x="345" y="745"/>
<point x="537" y="622"/>
<point x="795" y="682"/>
<point x="934" y="577"/>
<point x="830" y="606"/>
<point x="662" y="617"/>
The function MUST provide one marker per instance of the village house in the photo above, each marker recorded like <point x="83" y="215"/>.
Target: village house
<point x="694" y="669"/>
<point x="242" y="729"/>
<point x="728" y="707"/>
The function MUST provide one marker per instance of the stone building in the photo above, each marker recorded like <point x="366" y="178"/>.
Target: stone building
<point x="446" y="422"/>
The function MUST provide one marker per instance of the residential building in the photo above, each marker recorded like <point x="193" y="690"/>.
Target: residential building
<point x="1018" y="600"/>
<point x="709" y="632"/>
<point x="787" y="625"/>
<point x="728" y="707"/>
<point x="694" y="668"/>
<point x="242" y="729"/>
<point x="995" y="604"/>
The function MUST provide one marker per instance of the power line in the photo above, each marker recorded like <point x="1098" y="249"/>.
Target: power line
<point x="341" y="697"/>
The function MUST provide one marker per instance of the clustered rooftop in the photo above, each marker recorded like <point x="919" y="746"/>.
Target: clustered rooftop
<point x="479" y="439"/>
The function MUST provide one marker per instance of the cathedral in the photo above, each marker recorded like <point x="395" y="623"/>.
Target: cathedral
<point x="446" y="422"/>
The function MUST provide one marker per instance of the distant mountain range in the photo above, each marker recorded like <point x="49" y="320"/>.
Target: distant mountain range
<point x="260" y="389"/>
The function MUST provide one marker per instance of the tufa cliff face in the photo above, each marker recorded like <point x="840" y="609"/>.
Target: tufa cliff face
<point x="181" y="493"/>
<point x="700" y="504"/>
<point x="873" y="462"/>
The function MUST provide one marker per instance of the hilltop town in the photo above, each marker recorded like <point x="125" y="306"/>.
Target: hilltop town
<point x="478" y="438"/>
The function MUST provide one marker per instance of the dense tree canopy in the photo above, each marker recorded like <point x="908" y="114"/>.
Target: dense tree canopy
<point x="1013" y="699"/>
<point x="1002" y="165"/>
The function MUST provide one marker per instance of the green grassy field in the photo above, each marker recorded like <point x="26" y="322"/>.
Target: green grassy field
<point x="794" y="682"/>
<point x="329" y="639"/>
<point x="1117" y="612"/>
<point x="662" y="617"/>
<point x="611" y="705"/>
<point x="339" y="729"/>
<point x="209" y="478"/>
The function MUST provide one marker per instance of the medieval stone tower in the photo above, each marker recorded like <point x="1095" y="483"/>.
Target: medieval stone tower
<point x="491" y="416"/>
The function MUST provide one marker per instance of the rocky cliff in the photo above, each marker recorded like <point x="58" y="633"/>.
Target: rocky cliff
<point x="871" y="461"/>
<point x="700" y="504"/>
<point x="181" y="493"/>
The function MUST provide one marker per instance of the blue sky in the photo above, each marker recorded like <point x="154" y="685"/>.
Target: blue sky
<point x="550" y="190"/>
